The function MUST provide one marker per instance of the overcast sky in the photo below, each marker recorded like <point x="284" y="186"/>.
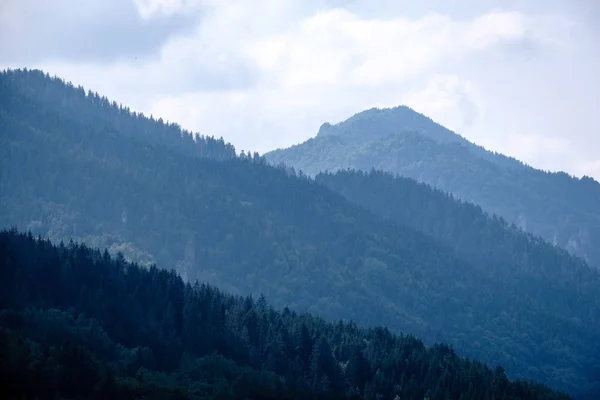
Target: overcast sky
<point x="516" y="76"/>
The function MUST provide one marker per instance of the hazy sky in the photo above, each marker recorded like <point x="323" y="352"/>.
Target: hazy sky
<point x="519" y="77"/>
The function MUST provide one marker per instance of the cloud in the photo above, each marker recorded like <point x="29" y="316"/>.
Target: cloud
<point x="100" y="31"/>
<point x="206" y="59"/>
<point x="335" y="63"/>
<point x="338" y="47"/>
<point x="450" y="99"/>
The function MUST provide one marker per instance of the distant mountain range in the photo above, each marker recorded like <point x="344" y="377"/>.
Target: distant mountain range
<point x="560" y="208"/>
<point x="74" y="165"/>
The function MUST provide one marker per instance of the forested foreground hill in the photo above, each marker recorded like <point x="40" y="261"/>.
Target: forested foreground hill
<point x="562" y="209"/>
<point x="250" y="228"/>
<point x="75" y="323"/>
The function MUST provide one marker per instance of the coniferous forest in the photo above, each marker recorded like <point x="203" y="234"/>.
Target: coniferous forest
<point x="367" y="249"/>
<point x="80" y="324"/>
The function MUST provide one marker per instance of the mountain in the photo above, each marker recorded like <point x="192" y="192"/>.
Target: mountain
<point x="562" y="209"/>
<point x="80" y="167"/>
<point x="484" y="241"/>
<point x="75" y="323"/>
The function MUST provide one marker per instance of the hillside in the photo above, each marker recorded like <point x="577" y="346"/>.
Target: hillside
<point x="82" y="325"/>
<point x="250" y="228"/>
<point x="484" y="241"/>
<point x="562" y="209"/>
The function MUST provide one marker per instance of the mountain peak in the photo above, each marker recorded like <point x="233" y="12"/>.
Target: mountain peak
<point x="326" y="129"/>
<point x="376" y="123"/>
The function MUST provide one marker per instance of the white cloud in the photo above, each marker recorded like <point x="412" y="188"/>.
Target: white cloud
<point x="335" y="63"/>
<point x="338" y="47"/>
<point x="450" y="100"/>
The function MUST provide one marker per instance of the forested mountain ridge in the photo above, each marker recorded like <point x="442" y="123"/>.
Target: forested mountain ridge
<point x="78" y="324"/>
<point x="562" y="209"/>
<point x="483" y="240"/>
<point x="52" y="94"/>
<point x="252" y="228"/>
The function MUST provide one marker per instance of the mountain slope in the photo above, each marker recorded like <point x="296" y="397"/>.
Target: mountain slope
<point x="477" y="237"/>
<point x="97" y="327"/>
<point x="250" y="228"/>
<point x="562" y="209"/>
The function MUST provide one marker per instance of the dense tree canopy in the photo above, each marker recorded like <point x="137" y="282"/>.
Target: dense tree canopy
<point x="560" y="208"/>
<point x="249" y="228"/>
<point x="81" y="324"/>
